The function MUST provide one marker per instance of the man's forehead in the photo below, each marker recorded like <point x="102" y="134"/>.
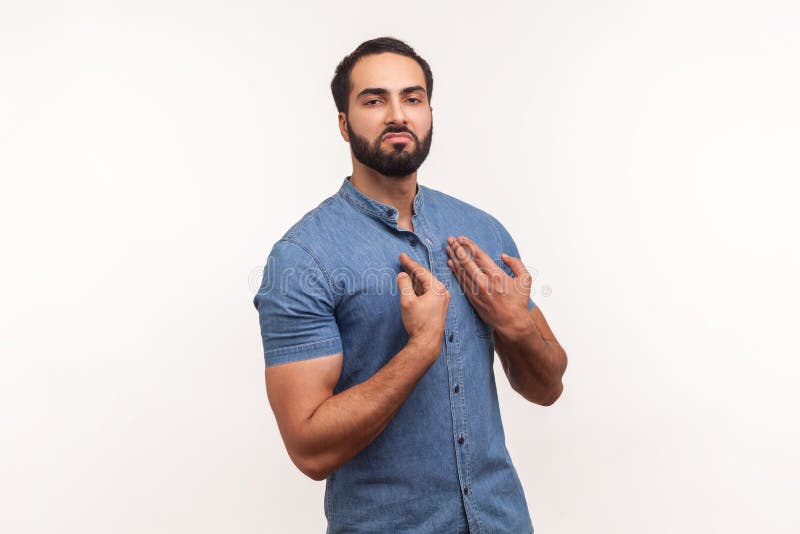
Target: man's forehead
<point x="388" y="71"/>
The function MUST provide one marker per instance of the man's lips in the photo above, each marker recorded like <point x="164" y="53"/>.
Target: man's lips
<point x="397" y="138"/>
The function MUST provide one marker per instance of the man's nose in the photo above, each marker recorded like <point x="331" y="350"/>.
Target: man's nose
<point x="397" y="114"/>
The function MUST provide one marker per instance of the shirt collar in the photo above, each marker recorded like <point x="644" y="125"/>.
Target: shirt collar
<point x="373" y="207"/>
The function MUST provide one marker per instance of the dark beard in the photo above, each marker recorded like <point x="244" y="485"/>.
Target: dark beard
<point x="398" y="162"/>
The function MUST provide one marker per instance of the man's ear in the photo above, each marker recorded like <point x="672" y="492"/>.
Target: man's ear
<point x="343" y="126"/>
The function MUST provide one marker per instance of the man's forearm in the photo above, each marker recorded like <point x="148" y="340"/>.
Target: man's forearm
<point x="534" y="365"/>
<point x="347" y="422"/>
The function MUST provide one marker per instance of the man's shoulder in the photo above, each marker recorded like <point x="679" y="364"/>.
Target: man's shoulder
<point x="441" y="200"/>
<point x="313" y="224"/>
<point x="306" y="240"/>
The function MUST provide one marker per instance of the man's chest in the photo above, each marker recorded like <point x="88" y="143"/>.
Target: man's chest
<point x="365" y="268"/>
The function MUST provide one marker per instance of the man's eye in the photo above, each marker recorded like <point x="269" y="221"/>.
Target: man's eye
<point x="414" y="98"/>
<point x="370" y="101"/>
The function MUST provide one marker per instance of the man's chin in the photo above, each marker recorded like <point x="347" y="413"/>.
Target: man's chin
<point x="405" y="149"/>
<point x="395" y="171"/>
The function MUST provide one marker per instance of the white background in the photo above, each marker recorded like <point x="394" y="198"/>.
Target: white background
<point x="644" y="155"/>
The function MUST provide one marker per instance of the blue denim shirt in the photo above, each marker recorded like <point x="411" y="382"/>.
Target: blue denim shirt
<point x="329" y="286"/>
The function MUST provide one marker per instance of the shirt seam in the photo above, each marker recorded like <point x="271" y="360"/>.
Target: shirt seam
<point x="497" y="234"/>
<point x="336" y="299"/>
<point x="499" y="262"/>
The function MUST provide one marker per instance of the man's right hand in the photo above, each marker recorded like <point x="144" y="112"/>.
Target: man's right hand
<point x="423" y="304"/>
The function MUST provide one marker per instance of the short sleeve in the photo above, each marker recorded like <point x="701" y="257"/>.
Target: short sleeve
<point x="508" y="246"/>
<point x="295" y="305"/>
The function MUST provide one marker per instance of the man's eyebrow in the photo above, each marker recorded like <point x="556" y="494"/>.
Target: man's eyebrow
<point x="382" y="91"/>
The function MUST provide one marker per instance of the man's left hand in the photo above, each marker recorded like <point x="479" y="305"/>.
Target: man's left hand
<point x="499" y="299"/>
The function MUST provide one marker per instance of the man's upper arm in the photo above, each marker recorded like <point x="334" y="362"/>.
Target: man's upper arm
<point x="295" y="390"/>
<point x="300" y="336"/>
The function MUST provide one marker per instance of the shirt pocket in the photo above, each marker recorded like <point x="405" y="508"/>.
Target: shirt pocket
<point x="481" y="328"/>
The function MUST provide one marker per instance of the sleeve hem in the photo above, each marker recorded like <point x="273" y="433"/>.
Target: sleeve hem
<point x="303" y="351"/>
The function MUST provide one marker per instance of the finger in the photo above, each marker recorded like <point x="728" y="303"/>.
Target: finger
<point x="457" y="267"/>
<point x="419" y="273"/>
<point x="516" y="265"/>
<point x="405" y="286"/>
<point x="463" y="260"/>
<point x="467" y="284"/>
<point x="479" y="256"/>
<point x="421" y="277"/>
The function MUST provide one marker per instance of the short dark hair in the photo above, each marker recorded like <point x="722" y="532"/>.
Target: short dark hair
<point x="340" y="85"/>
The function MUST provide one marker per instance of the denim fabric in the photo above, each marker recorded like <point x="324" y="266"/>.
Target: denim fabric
<point x="329" y="286"/>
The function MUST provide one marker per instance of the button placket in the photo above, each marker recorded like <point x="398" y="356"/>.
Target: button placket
<point x="456" y="404"/>
<point x="461" y="421"/>
<point x="460" y="425"/>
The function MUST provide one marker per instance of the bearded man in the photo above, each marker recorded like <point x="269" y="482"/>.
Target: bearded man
<point x="381" y="310"/>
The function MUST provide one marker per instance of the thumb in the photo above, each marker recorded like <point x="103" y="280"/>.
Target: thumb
<point x="516" y="265"/>
<point x="405" y="286"/>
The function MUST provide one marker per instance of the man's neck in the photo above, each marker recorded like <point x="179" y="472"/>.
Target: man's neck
<point x="397" y="192"/>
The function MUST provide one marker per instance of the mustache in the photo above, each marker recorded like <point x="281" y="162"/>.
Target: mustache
<point x="398" y="130"/>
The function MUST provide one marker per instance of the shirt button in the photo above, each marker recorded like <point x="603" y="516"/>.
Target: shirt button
<point x="466" y="491"/>
<point x="451" y="339"/>
<point x="413" y="242"/>
<point x="461" y="440"/>
<point x="456" y="388"/>
<point x="389" y="212"/>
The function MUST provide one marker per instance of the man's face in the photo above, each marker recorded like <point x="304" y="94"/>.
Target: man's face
<point x="388" y="96"/>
